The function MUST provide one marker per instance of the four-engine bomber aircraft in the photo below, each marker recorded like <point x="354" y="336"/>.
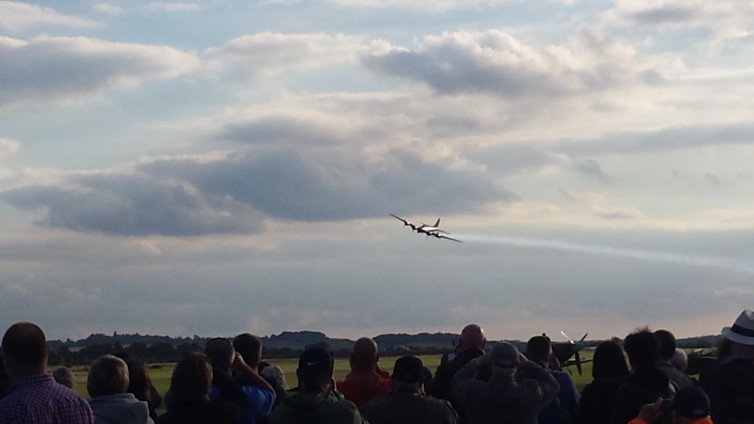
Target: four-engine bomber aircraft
<point x="428" y="230"/>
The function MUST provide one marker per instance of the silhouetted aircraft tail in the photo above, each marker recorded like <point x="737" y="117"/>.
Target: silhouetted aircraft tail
<point x="437" y="224"/>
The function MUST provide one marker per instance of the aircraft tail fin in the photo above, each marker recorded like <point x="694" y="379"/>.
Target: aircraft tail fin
<point x="437" y="224"/>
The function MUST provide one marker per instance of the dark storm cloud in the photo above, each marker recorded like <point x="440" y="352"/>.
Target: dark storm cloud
<point x="301" y="186"/>
<point x="133" y="205"/>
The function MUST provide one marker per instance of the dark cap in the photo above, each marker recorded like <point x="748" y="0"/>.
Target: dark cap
<point x="691" y="402"/>
<point x="315" y="362"/>
<point x="504" y="355"/>
<point x="408" y="369"/>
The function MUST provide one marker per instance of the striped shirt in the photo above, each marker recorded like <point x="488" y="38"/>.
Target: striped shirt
<point x="40" y="400"/>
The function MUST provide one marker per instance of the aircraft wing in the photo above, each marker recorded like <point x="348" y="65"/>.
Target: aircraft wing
<point x="405" y="222"/>
<point x="442" y="236"/>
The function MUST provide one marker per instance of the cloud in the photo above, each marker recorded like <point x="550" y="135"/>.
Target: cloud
<point x="319" y="186"/>
<point x="592" y="169"/>
<point x="498" y="64"/>
<point x="280" y="130"/>
<point x="18" y="16"/>
<point x="65" y="68"/>
<point x="270" y="53"/>
<point x="619" y="213"/>
<point x="133" y="205"/>
<point x="161" y="6"/>
<point x="421" y="5"/>
<point x="107" y="9"/>
<point x="8" y="146"/>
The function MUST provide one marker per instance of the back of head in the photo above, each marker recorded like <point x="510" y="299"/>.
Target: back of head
<point x="472" y="338"/>
<point x="139" y="378"/>
<point x="364" y="356"/>
<point x="275" y="374"/>
<point x="691" y="402"/>
<point x="250" y="348"/>
<point x="64" y="376"/>
<point x="220" y="351"/>
<point x="192" y="380"/>
<point x="666" y="339"/>
<point x="539" y="349"/>
<point x="315" y="367"/>
<point x="408" y="373"/>
<point x="642" y="349"/>
<point x="609" y="362"/>
<point x="108" y="375"/>
<point x="504" y="359"/>
<point x="25" y="348"/>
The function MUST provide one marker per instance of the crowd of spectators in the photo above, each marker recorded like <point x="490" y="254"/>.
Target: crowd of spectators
<point x="474" y="384"/>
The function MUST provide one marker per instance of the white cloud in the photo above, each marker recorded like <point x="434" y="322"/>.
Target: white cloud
<point x="270" y="53"/>
<point x="17" y="16"/>
<point x="107" y="9"/>
<point x="421" y="5"/>
<point x="162" y="6"/>
<point x="8" y="146"/>
<point x="65" y="68"/>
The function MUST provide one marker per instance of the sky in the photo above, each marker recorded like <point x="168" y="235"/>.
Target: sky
<point x="215" y="167"/>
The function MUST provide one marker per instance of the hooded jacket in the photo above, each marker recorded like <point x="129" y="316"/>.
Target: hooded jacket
<point x="315" y="408"/>
<point x="121" y="408"/>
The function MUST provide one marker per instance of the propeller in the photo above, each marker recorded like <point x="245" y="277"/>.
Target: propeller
<point x="576" y="346"/>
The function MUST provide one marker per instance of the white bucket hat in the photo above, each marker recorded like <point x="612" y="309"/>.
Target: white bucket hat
<point x="742" y="330"/>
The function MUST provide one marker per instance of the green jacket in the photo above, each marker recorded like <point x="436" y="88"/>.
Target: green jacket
<point x="316" y="408"/>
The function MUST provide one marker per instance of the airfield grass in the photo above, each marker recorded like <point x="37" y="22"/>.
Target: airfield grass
<point x="161" y="373"/>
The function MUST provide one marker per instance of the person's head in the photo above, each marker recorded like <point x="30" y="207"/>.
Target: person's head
<point x="472" y="338"/>
<point x="608" y="361"/>
<point x="364" y="356"/>
<point x="191" y="382"/>
<point x="139" y="378"/>
<point x="642" y="349"/>
<point x="741" y="334"/>
<point x="250" y="348"/>
<point x="504" y="360"/>
<point x="690" y="404"/>
<point x="679" y="360"/>
<point x="408" y="375"/>
<point x="64" y="376"/>
<point x="539" y="349"/>
<point x="666" y="340"/>
<point x="220" y="351"/>
<point x="25" y="348"/>
<point x="108" y="375"/>
<point x="315" y="367"/>
<point x="274" y="373"/>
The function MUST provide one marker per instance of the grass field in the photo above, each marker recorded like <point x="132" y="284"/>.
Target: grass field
<point x="160" y="373"/>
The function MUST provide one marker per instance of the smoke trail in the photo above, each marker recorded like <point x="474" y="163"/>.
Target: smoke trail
<point x="643" y="255"/>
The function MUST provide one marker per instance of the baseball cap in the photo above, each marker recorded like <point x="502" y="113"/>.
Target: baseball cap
<point x="315" y="362"/>
<point x="691" y="402"/>
<point x="504" y="355"/>
<point x="408" y="369"/>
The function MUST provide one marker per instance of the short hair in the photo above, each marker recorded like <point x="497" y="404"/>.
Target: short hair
<point x="250" y="348"/>
<point x="538" y="348"/>
<point x="667" y="343"/>
<point x="608" y="361"/>
<point x="108" y="375"/>
<point x="192" y="380"/>
<point x="220" y="351"/>
<point x="642" y="348"/>
<point x="25" y="345"/>
<point x="64" y="376"/>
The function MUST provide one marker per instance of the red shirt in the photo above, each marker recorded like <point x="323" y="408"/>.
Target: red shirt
<point x="361" y="388"/>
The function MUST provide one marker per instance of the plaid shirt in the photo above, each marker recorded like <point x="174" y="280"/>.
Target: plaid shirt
<point x="40" y="400"/>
